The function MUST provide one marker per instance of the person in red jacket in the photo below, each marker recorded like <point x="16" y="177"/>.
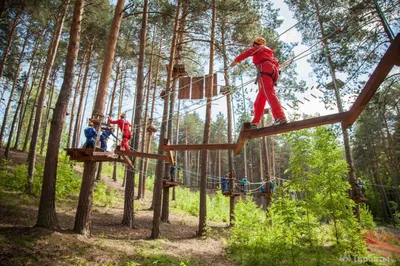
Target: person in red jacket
<point x="125" y="128"/>
<point x="268" y="74"/>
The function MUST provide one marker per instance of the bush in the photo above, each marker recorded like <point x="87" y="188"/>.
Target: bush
<point x="366" y="218"/>
<point x="189" y="202"/>
<point x="106" y="197"/>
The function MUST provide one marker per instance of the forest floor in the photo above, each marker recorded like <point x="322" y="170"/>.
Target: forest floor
<point x="111" y="243"/>
<point x="114" y="244"/>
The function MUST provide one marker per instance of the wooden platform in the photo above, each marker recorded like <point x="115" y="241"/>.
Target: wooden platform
<point x="359" y="199"/>
<point x="248" y="133"/>
<point x="141" y="154"/>
<point x="94" y="155"/>
<point x="171" y="184"/>
<point x="232" y="194"/>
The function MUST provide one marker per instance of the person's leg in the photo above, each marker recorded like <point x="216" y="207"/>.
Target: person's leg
<point x="103" y="143"/>
<point x="125" y="144"/>
<point x="259" y="105"/>
<point x="89" y="144"/>
<point x="268" y="84"/>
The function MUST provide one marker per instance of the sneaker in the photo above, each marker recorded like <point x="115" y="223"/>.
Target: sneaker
<point x="254" y="125"/>
<point x="280" y="121"/>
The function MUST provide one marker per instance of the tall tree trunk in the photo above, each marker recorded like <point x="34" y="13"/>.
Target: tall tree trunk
<point x="9" y="42"/>
<point x="121" y="96"/>
<point x="77" y="130"/>
<point x="51" y="54"/>
<point x="47" y="115"/>
<point x="22" y="97"/>
<point x="142" y="172"/>
<point x="206" y="136"/>
<point x="355" y="191"/>
<point x="76" y="92"/>
<point x="149" y="136"/>
<point x="16" y="74"/>
<point x="128" y="218"/>
<point x="47" y="216"/>
<point x="229" y="114"/>
<point x="84" y="210"/>
<point x="155" y="232"/>
<point x="29" y="128"/>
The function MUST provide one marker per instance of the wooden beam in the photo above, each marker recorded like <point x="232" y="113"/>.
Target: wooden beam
<point x="389" y="59"/>
<point x="243" y="136"/>
<point x="297" y="125"/>
<point x="127" y="161"/>
<point x="200" y="147"/>
<point x="170" y="156"/>
<point x="283" y="128"/>
<point x="94" y="159"/>
<point x="141" y="154"/>
<point x="171" y="184"/>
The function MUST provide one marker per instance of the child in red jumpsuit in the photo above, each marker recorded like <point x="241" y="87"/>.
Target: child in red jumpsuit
<point x="268" y="74"/>
<point x="125" y="127"/>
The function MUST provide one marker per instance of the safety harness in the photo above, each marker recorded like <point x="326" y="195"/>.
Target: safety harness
<point x="272" y="75"/>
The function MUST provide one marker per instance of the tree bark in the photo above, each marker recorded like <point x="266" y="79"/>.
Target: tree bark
<point x="51" y="54"/>
<point x="84" y="210"/>
<point x="47" y="216"/>
<point x="28" y="130"/>
<point x="47" y="115"/>
<point x="77" y="130"/>
<point x="9" y="42"/>
<point x="22" y="97"/>
<point x="206" y="136"/>
<point x="3" y="127"/>
<point x="128" y="218"/>
<point x="155" y="232"/>
<point x="149" y="136"/>
<point x="72" y="112"/>
<point x="355" y="191"/>
<point x="142" y="173"/>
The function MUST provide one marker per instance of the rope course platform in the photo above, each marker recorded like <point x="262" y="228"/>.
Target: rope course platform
<point x="98" y="155"/>
<point x="248" y="133"/>
<point x="232" y="194"/>
<point x="359" y="199"/>
<point x="141" y="154"/>
<point x="264" y="195"/>
<point x="171" y="184"/>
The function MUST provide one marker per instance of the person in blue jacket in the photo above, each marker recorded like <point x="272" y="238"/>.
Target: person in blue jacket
<point x="225" y="183"/>
<point x="172" y="171"/>
<point x="361" y="184"/>
<point x="262" y="187"/>
<point x="244" y="184"/>
<point x="104" y="137"/>
<point x="90" y="134"/>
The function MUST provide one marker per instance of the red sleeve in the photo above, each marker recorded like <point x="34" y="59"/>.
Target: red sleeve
<point x="113" y="122"/>
<point x="247" y="53"/>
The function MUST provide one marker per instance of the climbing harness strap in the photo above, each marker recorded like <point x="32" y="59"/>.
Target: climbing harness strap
<point x="272" y="75"/>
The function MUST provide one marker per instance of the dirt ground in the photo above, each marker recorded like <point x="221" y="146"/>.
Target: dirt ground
<point x="111" y="243"/>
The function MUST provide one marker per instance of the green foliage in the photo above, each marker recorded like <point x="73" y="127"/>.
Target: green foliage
<point x="68" y="182"/>
<point x="106" y="197"/>
<point x="217" y="205"/>
<point x="15" y="180"/>
<point x="366" y="218"/>
<point x="315" y="229"/>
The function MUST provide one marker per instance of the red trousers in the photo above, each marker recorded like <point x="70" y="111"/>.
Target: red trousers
<point x="125" y="143"/>
<point x="266" y="92"/>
